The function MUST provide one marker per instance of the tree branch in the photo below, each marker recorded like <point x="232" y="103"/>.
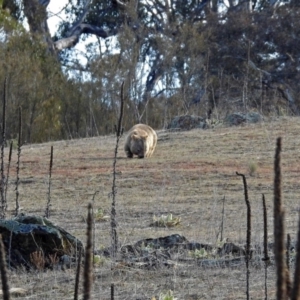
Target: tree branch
<point x="73" y="39"/>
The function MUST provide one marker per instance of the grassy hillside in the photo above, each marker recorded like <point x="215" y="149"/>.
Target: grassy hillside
<point x="189" y="175"/>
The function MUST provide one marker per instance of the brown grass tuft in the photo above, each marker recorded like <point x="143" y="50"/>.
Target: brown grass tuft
<point x="37" y="259"/>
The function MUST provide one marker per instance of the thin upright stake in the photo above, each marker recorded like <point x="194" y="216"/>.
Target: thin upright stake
<point x="77" y="279"/>
<point x="279" y="236"/>
<point x="248" y="240"/>
<point x="113" y="223"/>
<point x="296" y="287"/>
<point x="266" y="256"/>
<point x="87" y="281"/>
<point x="47" y="213"/>
<point x="222" y="222"/>
<point x="7" y="174"/>
<point x="3" y="200"/>
<point x="4" y="280"/>
<point x="18" y="162"/>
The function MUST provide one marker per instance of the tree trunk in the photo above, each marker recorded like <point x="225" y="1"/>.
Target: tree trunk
<point x="36" y="15"/>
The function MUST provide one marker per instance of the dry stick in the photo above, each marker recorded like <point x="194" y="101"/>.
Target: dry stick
<point x="7" y="175"/>
<point x="18" y="162"/>
<point x="114" y="236"/>
<point x="3" y="200"/>
<point x="5" y="287"/>
<point x="279" y="236"/>
<point x="288" y="247"/>
<point x="87" y="281"/>
<point x="47" y="212"/>
<point x="248" y="241"/>
<point x="119" y="128"/>
<point x="295" y="294"/>
<point x="77" y="275"/>
<point x="9" y="247"/>
<point x="112" y="291"/>
<point x="94" y="225"/>
<point x="266" y="257"/>
<point x="222" y="222"/>
<point x="288" y="279"/>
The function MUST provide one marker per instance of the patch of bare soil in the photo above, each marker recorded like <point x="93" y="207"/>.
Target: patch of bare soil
<point x="188" y="176"/>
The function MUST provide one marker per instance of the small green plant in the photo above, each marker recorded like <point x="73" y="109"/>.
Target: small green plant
<point x="167" y="296"/>
<point x="99" y="260"/>
<point x="212" y="123"/>
<point x="166" y="221"/>
<point x="198" y="253"/>
<point x="252" y="167"/>
<point x="220" y="243"/>
<point x="100" y="215"/>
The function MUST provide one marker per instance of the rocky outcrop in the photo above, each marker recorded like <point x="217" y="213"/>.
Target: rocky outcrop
<point x="29" y="240"/>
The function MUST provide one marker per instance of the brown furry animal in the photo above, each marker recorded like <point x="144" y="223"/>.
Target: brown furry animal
<point x="141" y="140"/>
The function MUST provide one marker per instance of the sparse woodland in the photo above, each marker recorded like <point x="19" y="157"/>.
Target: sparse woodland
<point x="229" y="195"/>
<point x="205" y="58"/>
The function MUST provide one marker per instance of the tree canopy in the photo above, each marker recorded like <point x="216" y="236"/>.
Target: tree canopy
<point x="176" y="57"/>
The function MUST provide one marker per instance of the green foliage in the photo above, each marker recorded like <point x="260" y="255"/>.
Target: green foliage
<point x="8" y="11"/>
<point x="35" y="83"/>
<point x="12" y="8"/>
<point x="47" y="125"/>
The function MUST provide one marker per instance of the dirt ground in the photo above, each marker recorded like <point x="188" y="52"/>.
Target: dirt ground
<point x="189" y="175"/>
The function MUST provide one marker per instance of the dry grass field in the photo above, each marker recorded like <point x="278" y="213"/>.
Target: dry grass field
<point x="189" y="175"/>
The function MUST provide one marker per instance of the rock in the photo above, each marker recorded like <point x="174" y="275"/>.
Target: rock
<point x="187" y="122"/>
<point x="231" y="248"/>
<point x="168" y="250"/>
<point x="240" y="118"/>
<point x="167" y="242"/>
<point x="30" y="238"/>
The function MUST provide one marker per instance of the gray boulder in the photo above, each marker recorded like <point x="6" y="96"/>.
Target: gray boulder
<point x="240" y="118"/>
<point x="187" y="122"/>
<point x="29" y="238"/>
